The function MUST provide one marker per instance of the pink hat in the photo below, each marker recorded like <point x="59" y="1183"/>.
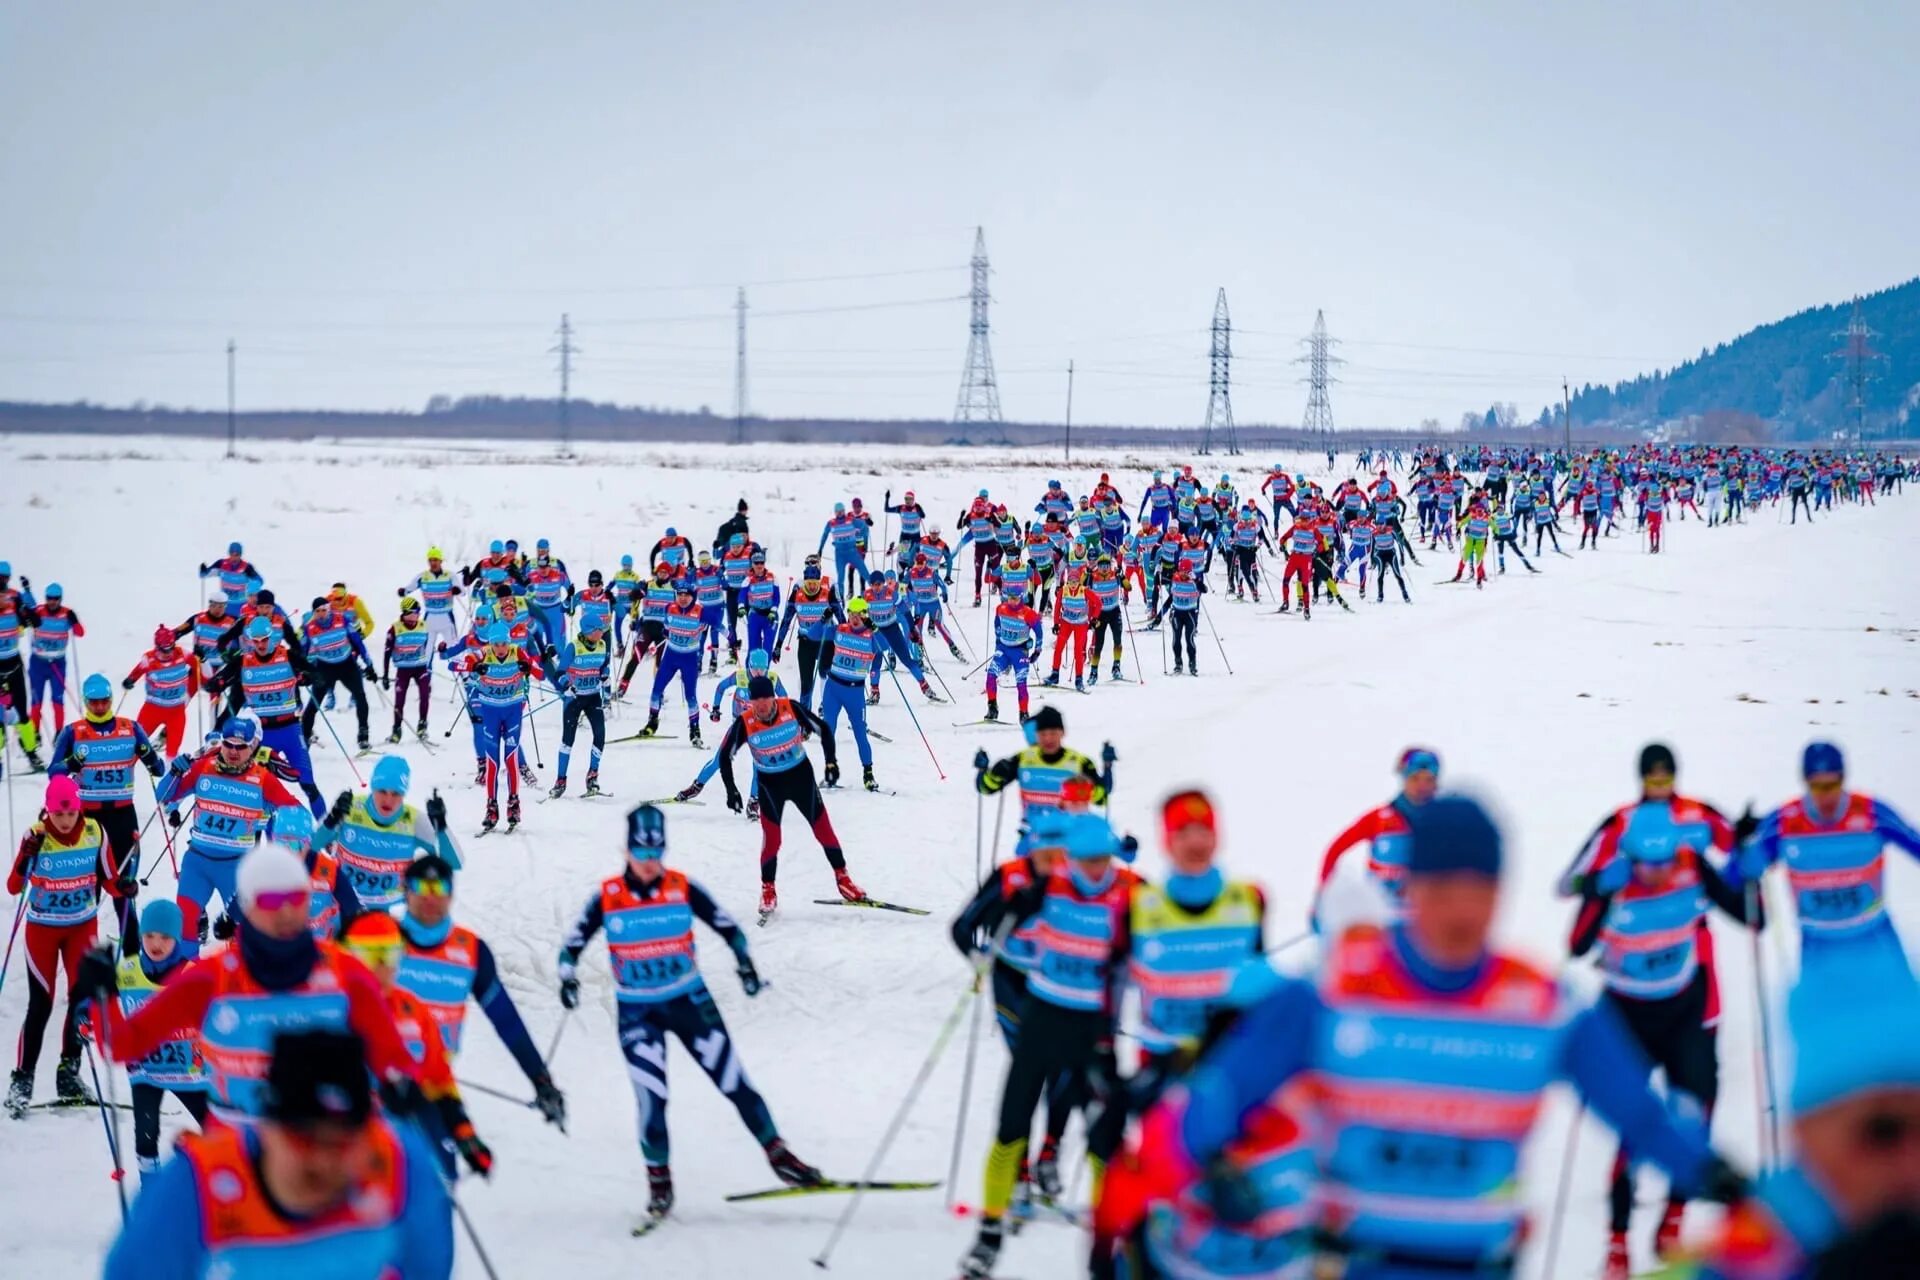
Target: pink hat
<point x="63" y="795"/>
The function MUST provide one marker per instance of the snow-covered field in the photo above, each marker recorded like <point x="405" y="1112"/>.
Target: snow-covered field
<point x="1736" y="646"/>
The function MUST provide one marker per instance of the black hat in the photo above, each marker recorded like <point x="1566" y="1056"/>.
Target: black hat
<point x="742" y="507"/>
<point x="318" y="1077"/>
<point x="429" y="868"/>
<point x="1049" y="718"/>
<point x="264" y="595"/>
<point x="646" y="830"/>
<point x="760" y="687"/>
<point x="1657" y="757"/>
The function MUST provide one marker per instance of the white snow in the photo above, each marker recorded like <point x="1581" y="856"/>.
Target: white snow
<point x="1736" y="646"/>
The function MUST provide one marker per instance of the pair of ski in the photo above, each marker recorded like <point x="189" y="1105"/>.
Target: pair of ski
<point x="871" y="904"/>
<point x="652" y="1222"/>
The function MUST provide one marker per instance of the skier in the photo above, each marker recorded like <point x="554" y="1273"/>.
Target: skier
<point x="882" y="596"/>
<point x="621" y="589"/>
<point x="15" y="606"/>
<point x="1475" y="526"/>
<point x="582" y="672"/>
<point x="238" y="578"/>
<point x="1067" y="1021"/>
<point x="172" y="678"/>
<point x="1017" y="636"/>
<point x="332" y="642"/>
<point x="550" y="595"/>
<point x="1074" y="608"/>
<point x="233" y="794"/>
<point x="673" y="551"/>
<point x="100" y="750"/>
<point x="681" y="657"/>
<point x="649" y="611"/>
<point x="175" y="1067"/>
<point x="854" y="653"/>
<point x="710" y="593"/>
<point x="408" y="647"/>
<point x="1301" y="540"/>
<point x="913" y="519"/>
<point x="847" y="530"/>
<point x="275" y="978"/>
<point x="1183" y="602"/>
<point x="1109" y="618"/>
<point x="1506" y="538"/>
<point x="62" y="865"/>
<point x="815" y="607"/>
<point x="499" y="694"/>
<point x="54" y="628"/>
<point x="648" y="914"/>
<point x="380" y="834"/>
<point x="775" y="730"/>
<point x="1832" y="841"/>
<point x="1043" y="767"/>
<point x="444" y="965"/>
<point x="1415" y="1179"/>
<point x="322" y="1184"/>
<point x="268" y="674"/>
<point x="730" y="692"/>
<point x="978" y="520"/>
<point x="760" y="603"/>
<point x="926" y="600"/>
<point x="437" y="589"/>
<point x="1386" y="829"/>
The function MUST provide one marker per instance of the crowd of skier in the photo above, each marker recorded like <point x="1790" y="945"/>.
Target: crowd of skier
<point x="1369" y="1119"/>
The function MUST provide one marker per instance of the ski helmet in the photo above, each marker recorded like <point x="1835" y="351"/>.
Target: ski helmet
<point x="626" y="562"/>
<point x="233" y="548"/>
<point x="292" y="826"/>
<point x="435" y="553"/>
<point x="409" y="605"/>
<point x="757" y="661"/>
<point x="241" y="729"/>
<point x="496" y="547"/>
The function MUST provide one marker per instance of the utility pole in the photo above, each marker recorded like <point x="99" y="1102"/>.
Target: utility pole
<point x="1069" y="411"/>
<point x="1318" y="419"/>
<point x="1858" y="356"/>
<point x="979" y="399"/>
<point x="231" y="431"/>
<point x="1220" y="379"/>
<point x="566" y="351"/>
<point x="1566" y="412"/>
<point x="740" y="366"/>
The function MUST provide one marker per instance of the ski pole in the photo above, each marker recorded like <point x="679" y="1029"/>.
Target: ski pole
<point x="480" y="1250"/>
<point x="534" y="729"/>
<point x="966" y="1091"/>
<point x="1770" y="1115"/>
<point x="899" y="1118"/>
<point x="1216" y="637"/>
<point x="465" y="706"/>
<point x="109" y="1111"/>
<point x="19" y="913"/>
<point x="1126" y="616"/>
<point x="1290" y="943"/>
<point x="993" y="850"/>
<point x="166" y="831"/>
<point x="916" y="724"/>
<point x="979" y="834"/>
<point x="1566" y="1186"/>
<point x="322" y="711"/>
<point x="566" y="1016"/>
<point x="470" y="1086"/>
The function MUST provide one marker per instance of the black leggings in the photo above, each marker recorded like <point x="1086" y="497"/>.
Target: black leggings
<point x="815" y="657"/>
<point x="325" y="676"/>
<point x="1055" y="1042"/>
<point x="1673" y="1036"/>
<point x="1186" y="622"/>
<point x="146" y="1117"/>
<point x="596" y="715"/>
<point x="1388" y="562"/>
<point x="794" y="787"/>
<point x="1541" y="532"/>
<point x="1108" y="621"/>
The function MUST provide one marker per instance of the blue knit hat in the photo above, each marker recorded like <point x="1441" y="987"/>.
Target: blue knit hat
<point x="1450" y="834"/>
<point x="1821" y="757"/>
<point x="162" y="915"/>
<point x="1854" y="1023"/>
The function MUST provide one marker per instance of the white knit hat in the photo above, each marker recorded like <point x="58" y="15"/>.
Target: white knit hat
<point x="270" y="868"/>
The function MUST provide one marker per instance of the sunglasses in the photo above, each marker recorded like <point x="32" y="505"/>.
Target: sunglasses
<point x="377" y="955"/>
<point x="1824" y="786"/>
<point x="279" y="899"/>
<point x="430" y="888"/>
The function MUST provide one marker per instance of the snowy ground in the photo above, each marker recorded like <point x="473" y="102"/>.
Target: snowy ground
<point x="1736" y="646"/>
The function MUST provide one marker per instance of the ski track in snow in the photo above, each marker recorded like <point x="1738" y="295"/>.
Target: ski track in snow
<point x="1736" y="646"/>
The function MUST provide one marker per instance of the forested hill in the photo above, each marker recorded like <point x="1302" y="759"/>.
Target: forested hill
<point x="1787" y="373"/>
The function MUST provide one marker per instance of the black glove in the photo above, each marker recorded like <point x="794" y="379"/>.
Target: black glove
<point x="154" y="767"/>
<point x="549" y="1102"/>
<point x="949" y="579"/>
<point x="569" y="993"/>
<point x="127" y="683"/>
<point x="98" y="976"/>
<point x="1108" y="755"/>
<point x="1231" y="1194"/>
<point x="734" y="802"/>
<point x="749" y="977"/>
<point x="342" y="806"/>
<point x="369" y="672"/>
<point x="223" y="928"/>
<point x="437" y="812"/>
<point x="1744" y="826"/>
<point x="1721" y="1183"/>
<point x="477" y="1154"/>
<point x="386" y="680"/>
<point x="1129" y="845"/>
<point x="126" y="886"/>
<point x="833" y="774"/>
<point x="203" y="572"/>
<point x="980" y="760"/>
<point x="400" y="1095"/>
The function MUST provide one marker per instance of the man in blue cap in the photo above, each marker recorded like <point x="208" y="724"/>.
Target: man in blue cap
<point x="176" y="1066"/>
<point x="499" y="675"/>
<point x="1849" y="1204"/>
<point x="238" y="578"/>
<point x="1833" y="841"/>
<point x="1431" y="1053"/>
<point x="380" y="834"/>
<point x="648" y="912"/>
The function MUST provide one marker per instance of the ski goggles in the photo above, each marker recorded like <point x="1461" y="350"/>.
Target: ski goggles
<point x="280" y="899"/>
<point x="1419" y="760"/>
<point x="429" y="886"/>
<point x="377" y="955"/>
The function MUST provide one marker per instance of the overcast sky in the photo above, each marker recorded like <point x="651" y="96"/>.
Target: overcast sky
<point x="383" y="201"/>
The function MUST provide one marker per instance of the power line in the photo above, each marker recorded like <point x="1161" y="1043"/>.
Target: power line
<point x="979" y="399"/>
<point x="1319" y="361"/>
<point x="1219" y="379"/>
<point x="566" y="351"/>
<point x="740" y="367"/>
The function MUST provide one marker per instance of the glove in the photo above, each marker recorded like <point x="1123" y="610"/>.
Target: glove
<point x="127" y="683"/>
<point x="203" y="573"/>
<point x="342" y="805"/>
<point x="369" y="672"/>
<point x="1233" y="1196"/>
<point x="715" y="716"/>
<point x="126" y="885"/>
<point x="1033" y="656"/>
<point x="441" y="648"/>
<point x="98" y="976"/>
<point x="1107" y="754"/>
<point x="223" y="928"/>
<point x="386" y="681"/>
<point x="749" y="977"/>
<point x="1129" y="846"/>
<point x="477" y="1154"/>
<point x="154" y="768"/>
<point x="549" y="1102"/>
<point x="833" y="774"/>
<point x="569" y="993"/>
<point x="181" y="763"/>
<point x="437" y="812"/>
<point x="1722" y="1183"/>
<point x="735" y="803"/>
<point x="980" y="760"/>
<point x="1744" y="826"/>
<point x="949" y="579"/>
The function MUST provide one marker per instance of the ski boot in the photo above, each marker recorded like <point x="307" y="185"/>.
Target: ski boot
<point x="1666" y="1239"/>
<point x="34" y="763"/>
<point x="421" y="728"/>
<point x="480" y="772"/>
<point x="1025" y="715"/>
<point x="66" y="1084"/>
<point x="1093" y="673"/>
<point x="976" y="600"/>
<point x="993" y="710"/>
<point x="330" y="697"/>
<point x="866" y="779"/>
<point x="1619" y="1261"/>
<point x="790" y="1168"/>
<point x="713" y="662"/>
<point x="928" y="690"/>
<point x="753" y="809"/>
<point x="513" y="811"/>
<point x="1080" y="684"/>
<point x="492" y="819"/>
<point x="395" y="735"/>
<point x="653" y="724"/>
<point x="687" y="793"/>
<point x="362" y="742"/>
<point x="954" y="649"/>
<point x="1178" y="669"/>
<point x="19" y="1094"/>
<point x="981" y="1259"/>
<point x="527" y="775"/>
<point x="1116" y="672"/>
<point x="659" y="1191"/>
<point x="733" y="655"/>
<point x="593" y="783"/>
<point x="1053" y="679"/>
<point x="693" y="731"/>
<point x="769" y="901"/>
<point x="1046" y="1173"/>
<point x="848" y="889"/>
<point x="558" y="789"/>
